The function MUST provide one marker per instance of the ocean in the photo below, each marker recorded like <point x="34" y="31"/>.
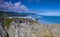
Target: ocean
<point x="50" y="19"/>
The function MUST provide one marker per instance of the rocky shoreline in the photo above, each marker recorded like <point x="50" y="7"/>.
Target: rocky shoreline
<point x="27" y="28"/>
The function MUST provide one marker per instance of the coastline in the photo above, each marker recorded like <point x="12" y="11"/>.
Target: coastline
<point x="35" y="29"/>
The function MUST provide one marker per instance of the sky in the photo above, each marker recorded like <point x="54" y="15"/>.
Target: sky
<point x="40" y="7"/>
<point x="39" y="4"/>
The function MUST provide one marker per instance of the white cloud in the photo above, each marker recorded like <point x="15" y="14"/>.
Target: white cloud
<point x="50" y="13"/>
<point x="16" y="7"/>
<point x="35" y="11"/>
<point x="1" y="1"/>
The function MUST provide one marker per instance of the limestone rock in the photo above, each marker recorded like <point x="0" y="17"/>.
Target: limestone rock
<point x="34" y="30"/>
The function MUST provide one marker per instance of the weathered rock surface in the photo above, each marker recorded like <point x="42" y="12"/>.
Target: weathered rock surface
<point x="33" y="30"/>
<point x="3" y="32"/>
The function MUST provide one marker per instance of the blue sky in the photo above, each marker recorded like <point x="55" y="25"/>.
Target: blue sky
<point x="41" y="7"/>
<point x="40" y="4"/>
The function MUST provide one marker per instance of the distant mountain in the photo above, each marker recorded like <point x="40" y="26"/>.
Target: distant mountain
<point x="2" y="13"/>
<point x="10" y="14"/>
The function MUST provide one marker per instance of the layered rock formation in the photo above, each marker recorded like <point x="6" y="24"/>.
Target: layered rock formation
<point x="26" y="29"/>
<point x="3" y="31"/>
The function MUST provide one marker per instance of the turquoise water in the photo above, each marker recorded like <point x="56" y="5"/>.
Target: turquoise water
<point x="50" y="19"/>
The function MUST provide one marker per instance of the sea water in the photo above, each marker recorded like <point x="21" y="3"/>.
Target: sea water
<point x="50" y="19"/>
